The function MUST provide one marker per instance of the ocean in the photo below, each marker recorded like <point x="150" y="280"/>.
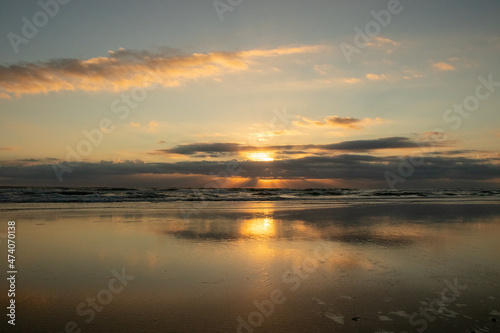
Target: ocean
<point x="249" y="260"/>
<point x="104" y="194"/>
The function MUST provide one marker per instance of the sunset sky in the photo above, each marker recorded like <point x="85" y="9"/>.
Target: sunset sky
<point x="250" y="93"/>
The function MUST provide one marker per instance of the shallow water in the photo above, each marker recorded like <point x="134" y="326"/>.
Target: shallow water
<point x="255" y="267"/>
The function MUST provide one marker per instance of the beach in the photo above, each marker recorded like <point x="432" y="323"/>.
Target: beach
<point x="298" y="266"/>
<point x="233" y="166"/>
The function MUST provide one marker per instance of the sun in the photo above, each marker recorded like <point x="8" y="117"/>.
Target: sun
<point x="260" y="157"/>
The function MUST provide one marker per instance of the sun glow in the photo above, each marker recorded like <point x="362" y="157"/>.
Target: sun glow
<point x="260" y="156"/>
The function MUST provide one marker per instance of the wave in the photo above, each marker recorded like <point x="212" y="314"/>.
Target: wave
<point x="104" y="194"/>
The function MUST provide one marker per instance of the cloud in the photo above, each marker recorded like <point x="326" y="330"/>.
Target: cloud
<point x="281" y="51"/>
<point x="324" y="69"/>
<point x="336" y="121"/>
<point x="377" y="144"/>
<point x="433" y="136"/>
<point x="125" y="69"/>
<point x="333" y="121"/>
<point x="435" y="171"/>
<point x="160" y="142"/>
<point x="443" y="66"/>
<point x="409" y="74"/>
<point x="382" y="41"/>
<point x="210" y="148"/>
<point x="153" y="125"/>
<point x="4" y="96"/>
<point x="377" y="77"/>
<point x="394" y="76"/>
<point x="384" y="44"/>
<point x="134" y="124"/>
<point x="453" y="152"/>
<point x="29" y="162"/>
<point x="7" y="148"/>
<point x="349" y="80"/>
<point x="232" y="148"/>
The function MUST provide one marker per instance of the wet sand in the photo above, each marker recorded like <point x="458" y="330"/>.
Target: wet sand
<point x="256" y="267"/>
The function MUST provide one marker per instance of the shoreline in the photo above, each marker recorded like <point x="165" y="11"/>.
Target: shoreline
<point x="357" y="267"/>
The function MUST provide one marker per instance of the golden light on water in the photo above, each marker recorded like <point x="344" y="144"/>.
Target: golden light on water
<point x="259" y="227"/>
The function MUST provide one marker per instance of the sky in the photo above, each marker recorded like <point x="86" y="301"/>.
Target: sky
<point x="239" y="93"/>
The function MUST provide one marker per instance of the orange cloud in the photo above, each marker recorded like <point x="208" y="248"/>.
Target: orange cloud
<point x="385" y="44"/>
<point x="134" y="124"/>
<point x="443" y="66"/>
<point x="281" y="51"/>
<point x="349" y="80"/>
<point x="153" y="126"/>
<point x="125" y="69"/>
<point x="377" y="77"/>
<point x="409" y="74"/>
<point x="381" y="41"/>
<point x="7" y="148"/>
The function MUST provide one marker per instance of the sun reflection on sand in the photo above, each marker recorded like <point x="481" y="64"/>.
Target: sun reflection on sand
<point x="259" y="228"/>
